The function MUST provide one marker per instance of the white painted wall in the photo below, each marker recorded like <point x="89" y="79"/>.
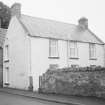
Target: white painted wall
<point x="39" y="56"/>
<point x="83" y="54"/>
<point x="40" y="53"/>
<point x="18" y="56"/>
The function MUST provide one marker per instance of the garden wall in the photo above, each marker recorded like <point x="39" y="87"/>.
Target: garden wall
<point x="74" y="81"/>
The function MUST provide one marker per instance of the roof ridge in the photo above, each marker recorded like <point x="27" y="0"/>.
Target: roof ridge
<point x="50" y="20"/>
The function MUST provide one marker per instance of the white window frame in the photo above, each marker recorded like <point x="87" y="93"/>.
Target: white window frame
<point x="6" y="53"/>
<point x="72" y="50"/>
<point x="53" y="49"/>
<point x="92" y="51"/>
<point x="7" y="75"/>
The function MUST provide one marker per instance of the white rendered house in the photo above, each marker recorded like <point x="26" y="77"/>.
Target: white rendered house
<point x="33" y="45"/>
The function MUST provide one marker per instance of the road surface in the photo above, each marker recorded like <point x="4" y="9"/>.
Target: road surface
<point x="10" y="99"/>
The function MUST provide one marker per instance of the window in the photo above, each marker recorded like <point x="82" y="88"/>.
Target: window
<point x="53" y="48"/>
<point x="7" y="74"/>
<point x="6" y="52"/>
<point x="92" y="51"/>
<point x="73" y="51"/>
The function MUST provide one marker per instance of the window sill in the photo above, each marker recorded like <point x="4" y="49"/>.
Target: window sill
<point x="93" y="59"/>
<point x="6" y="60"/>
<point x="53" y="57"/>
<point x="73" y="58"/>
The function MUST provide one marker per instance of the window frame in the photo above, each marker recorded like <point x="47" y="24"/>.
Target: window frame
<point x="7" y="75"/>
<point x="56" y="56"/>
<point x="91" y="53"/>
<point x="75" y="56"/>
<point x="6" y="53"/>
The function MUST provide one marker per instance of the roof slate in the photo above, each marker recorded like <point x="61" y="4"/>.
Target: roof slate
<point x="38" y="27"/>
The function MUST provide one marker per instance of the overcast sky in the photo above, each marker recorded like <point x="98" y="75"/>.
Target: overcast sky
<point x="67" y="11"/>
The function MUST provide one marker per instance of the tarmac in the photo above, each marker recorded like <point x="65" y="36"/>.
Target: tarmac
<point x="68" y="100"/>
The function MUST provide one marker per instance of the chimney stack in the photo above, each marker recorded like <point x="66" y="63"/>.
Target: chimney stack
<point x="83" y="23"/>
<point x="16" y="10"/>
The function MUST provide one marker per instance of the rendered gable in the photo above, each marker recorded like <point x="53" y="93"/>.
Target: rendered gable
<point x="18" y="64"/>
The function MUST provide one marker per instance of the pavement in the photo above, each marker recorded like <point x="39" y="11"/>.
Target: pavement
<point x="11" y="99"/>
<point x="68" y="100"/>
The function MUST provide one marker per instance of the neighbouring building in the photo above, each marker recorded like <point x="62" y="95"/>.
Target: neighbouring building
<point x="2" y="38"/>
<point x="33" y="45"/>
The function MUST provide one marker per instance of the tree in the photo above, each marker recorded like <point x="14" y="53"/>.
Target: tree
<point x="5" y="15"/>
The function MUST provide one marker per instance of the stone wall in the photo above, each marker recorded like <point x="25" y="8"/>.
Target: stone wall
<point x="74" y="81"/>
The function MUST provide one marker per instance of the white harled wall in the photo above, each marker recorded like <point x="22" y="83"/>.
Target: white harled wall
<point x="83" y="56"/>
<point x="18" y="56"/>
<point x="40" y="60"/>
<point x="39" y="56"/>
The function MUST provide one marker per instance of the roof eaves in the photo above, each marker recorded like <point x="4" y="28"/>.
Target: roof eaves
<point x="24" y="27"/>
<point x="96" y="36"/>
<point x="33" y="36"/>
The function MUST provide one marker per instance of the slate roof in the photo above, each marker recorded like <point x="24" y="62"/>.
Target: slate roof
<point x="38" y="27"/>
<point x="2" y="36"/>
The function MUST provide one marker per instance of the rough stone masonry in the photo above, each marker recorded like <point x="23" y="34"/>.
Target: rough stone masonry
<point x="85" y="81"/>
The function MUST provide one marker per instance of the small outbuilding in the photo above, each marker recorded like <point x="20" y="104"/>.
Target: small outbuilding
<point x="2" y="39"/>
